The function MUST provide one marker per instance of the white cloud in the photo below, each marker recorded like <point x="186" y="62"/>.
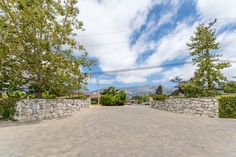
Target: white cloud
<point x="217" y="8"/>
<point x="101" y="81"/>
<point x="112" y="16"/>
<point x="230" y="72"/>
<point x="185" y="72"/>
<point x="208" y="9"/>
<point x="136" y="76"/>
<point x="172" y="46"/>
<point x="128" y="16"/>
<point x="223" y="10"/>
<point x="227" y="42"/>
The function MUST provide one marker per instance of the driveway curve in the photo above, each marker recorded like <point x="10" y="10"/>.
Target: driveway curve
<point x="129" y="131"/>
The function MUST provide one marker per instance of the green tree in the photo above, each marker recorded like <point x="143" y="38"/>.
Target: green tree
<point x="110" y="90"/>
<point x="37" y="43"/>
<point x="202" y="46"/>
<point x="178" y="81"/>
<point x="159" y="90"/>
<point x="112" y="97"/>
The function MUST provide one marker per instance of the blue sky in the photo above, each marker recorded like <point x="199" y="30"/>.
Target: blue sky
<point x="123" y="34"/>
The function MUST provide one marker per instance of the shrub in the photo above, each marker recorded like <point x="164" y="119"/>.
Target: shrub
<point x="94" y="101"/>
<point x="31" y="96"/>
<point x="106" y="100"/>
<point x="141" y="99"/>
<point x="112" y="97"/>
<point x="116" y="101"/>
<point x="16" y="94"/>
<point x="7" y="108"/>
<point x="230" y="87"/>
<point x="160" y="97"/>
<point x="175" y="93"/>
<point x="227" y="106"/>
<point x="191" y="90"/>
<point x="48" y="95"/>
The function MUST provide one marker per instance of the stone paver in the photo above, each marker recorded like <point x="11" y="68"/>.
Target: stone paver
<point x="129" y="131"/>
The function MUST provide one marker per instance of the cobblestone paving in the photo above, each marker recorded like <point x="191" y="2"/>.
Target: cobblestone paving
<point x="129" y="131"/>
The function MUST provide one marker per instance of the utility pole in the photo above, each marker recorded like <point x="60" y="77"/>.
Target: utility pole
<point x="98" y="93"/>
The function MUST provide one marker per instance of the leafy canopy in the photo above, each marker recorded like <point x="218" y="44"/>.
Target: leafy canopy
<point x="112" y="97"/>
<point x="38" y="46"/>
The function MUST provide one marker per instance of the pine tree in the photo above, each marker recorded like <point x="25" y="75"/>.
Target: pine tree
<point x="203" y="48"/>
<point x="159" y="90"/>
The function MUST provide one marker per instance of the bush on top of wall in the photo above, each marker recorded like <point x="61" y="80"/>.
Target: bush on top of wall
<point x="227" y="106"/>
<point x="191" y="90"/>
<point x="160" y="97"/>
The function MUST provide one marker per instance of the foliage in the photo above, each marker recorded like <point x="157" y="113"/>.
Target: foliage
<point x="160" y="97"/>
<point x="7" y="108"/>
<point x="175" y="93"/>
<point x="48" y="95"/>
<point x="227" y="106"/>
<point x="31" y="96"/>
<point x="119" y="99"/>
<point x="112" y="97"/>
<point x="191" y="90"/>
<point x="16" y="94"/>
<point x="230" y="87"/>
<point x="109" y="90"/>
<point x="178" y="81"/>
<point x="37" y="39"/>
<point x="203" y="45"/>
<point x="94" y="101"/>
<point x="106" y="100"/>
<point x="159" y="90"/>
<point x="141" y="99"/>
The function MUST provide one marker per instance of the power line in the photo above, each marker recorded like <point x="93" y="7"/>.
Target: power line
<point x="140" y="68"/>
<point x="103" y="33"/>
<point x="128" y="31"/>
<point x="149" y="67"/>
<point x="108" y="43"/>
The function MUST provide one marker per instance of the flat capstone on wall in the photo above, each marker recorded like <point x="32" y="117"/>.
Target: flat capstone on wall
<point x="207" y="107"/>
<point x="39" y="109"/>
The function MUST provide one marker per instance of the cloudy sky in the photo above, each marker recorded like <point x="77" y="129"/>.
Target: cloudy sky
<point x="122" y="34"/>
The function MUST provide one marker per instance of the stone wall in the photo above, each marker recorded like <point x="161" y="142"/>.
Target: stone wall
<point x="39" y="109"/>
<point x="207" y="107"/>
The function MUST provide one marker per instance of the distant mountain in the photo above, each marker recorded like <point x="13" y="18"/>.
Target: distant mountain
<point x="143" y="90"/>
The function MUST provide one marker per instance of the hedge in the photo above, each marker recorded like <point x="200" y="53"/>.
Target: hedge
<point x="7" y="108"/>
<point x="160" y="97"/>
<point x="191" y="90"/>
<point x="227" y="106"/>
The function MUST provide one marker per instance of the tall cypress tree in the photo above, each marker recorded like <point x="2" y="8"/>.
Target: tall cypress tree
<point x="203" y="48"/>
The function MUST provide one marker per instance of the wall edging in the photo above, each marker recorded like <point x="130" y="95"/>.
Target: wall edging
<point x="39" y="109"/>
<point x="208" y="107"/>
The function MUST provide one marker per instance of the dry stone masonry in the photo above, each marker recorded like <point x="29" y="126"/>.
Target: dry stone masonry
<point x="207" y="107"/>
<point x="39" y="109"/>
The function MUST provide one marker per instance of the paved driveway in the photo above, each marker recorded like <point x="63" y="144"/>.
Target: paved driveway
<point x="130" y="131"/>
